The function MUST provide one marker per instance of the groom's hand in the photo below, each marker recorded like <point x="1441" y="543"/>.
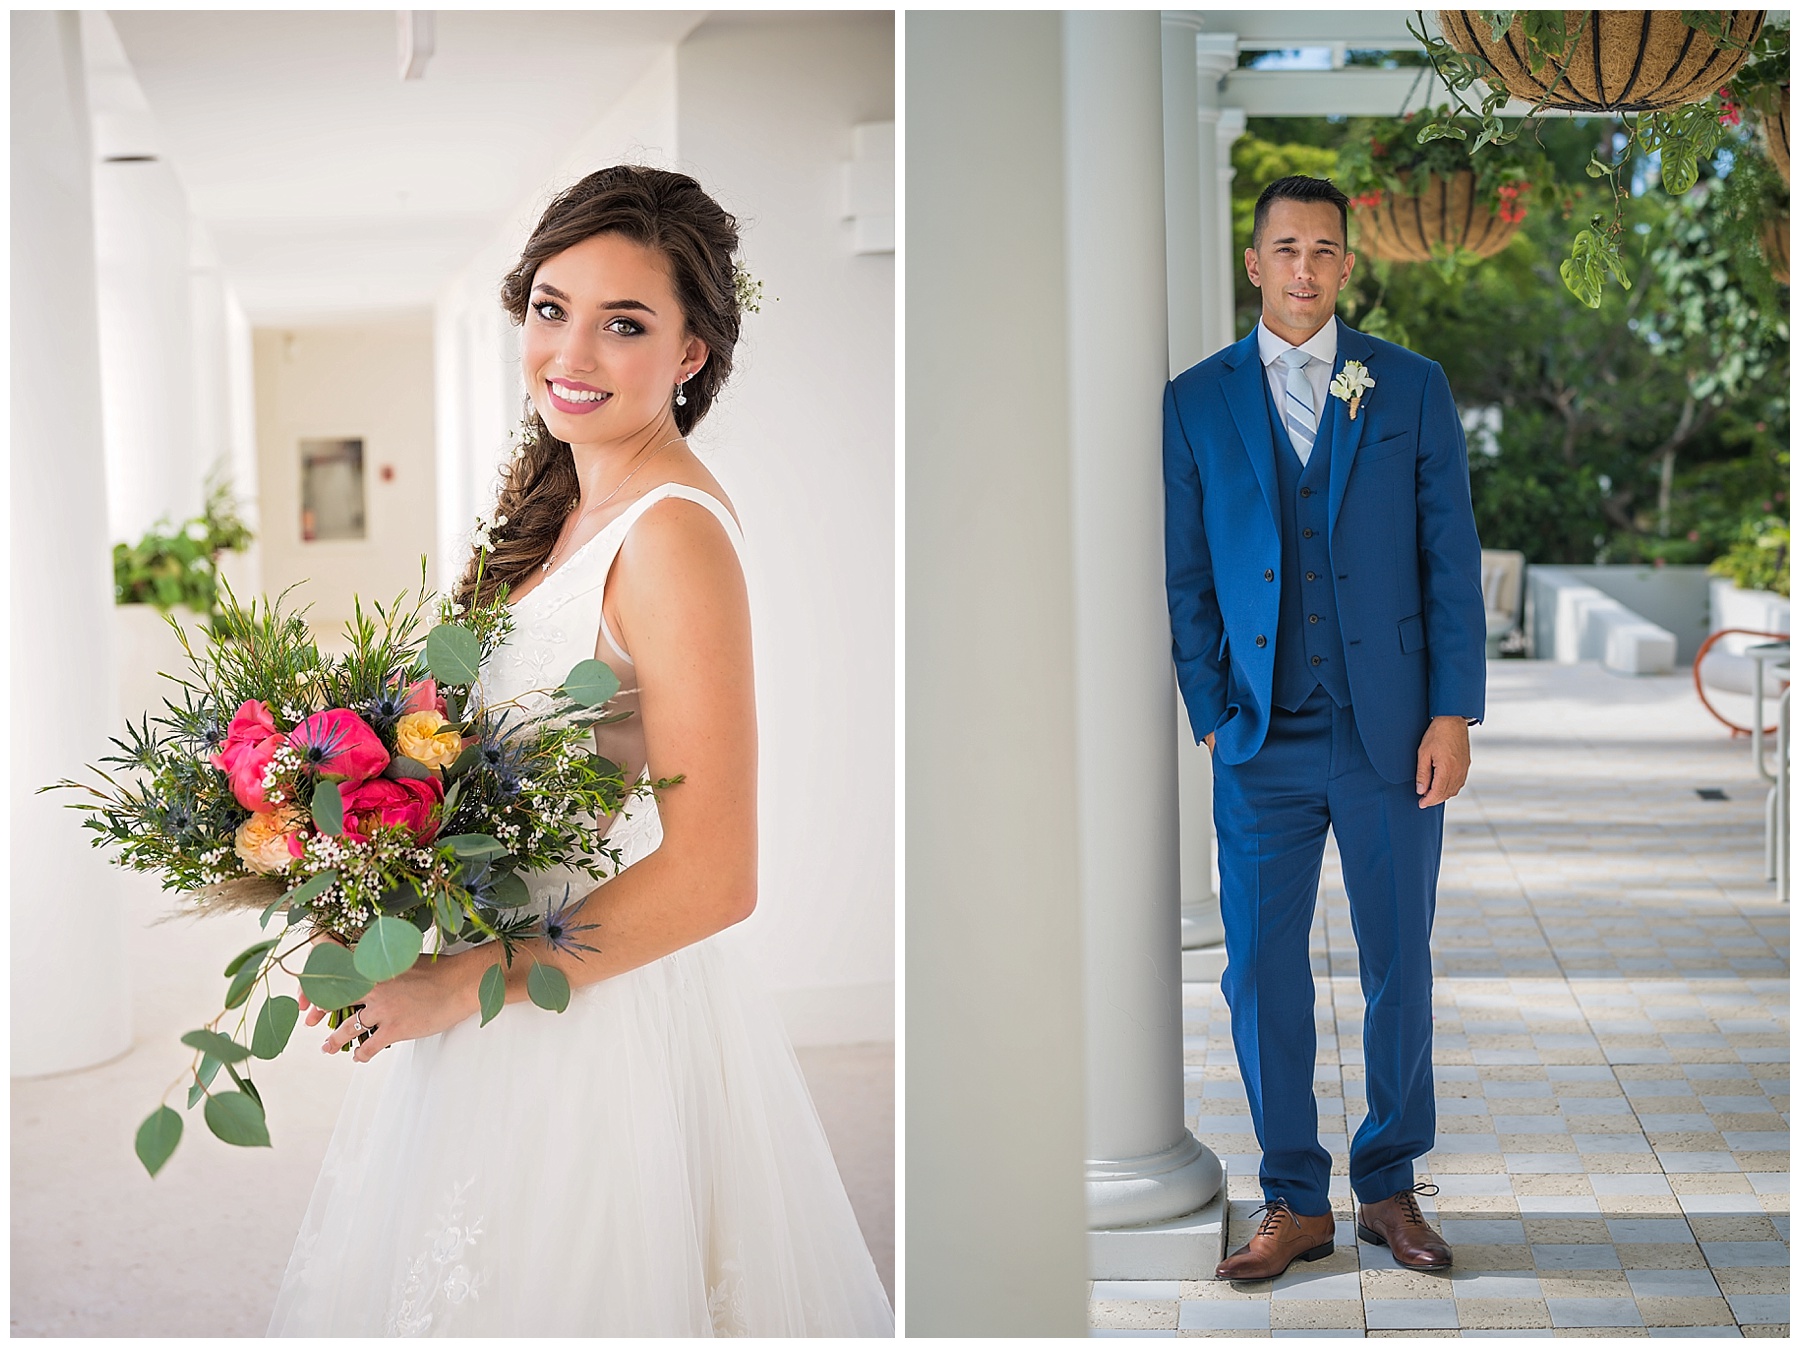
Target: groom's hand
<point x="1209" y="743"/>
<point x="1443" y="760"/>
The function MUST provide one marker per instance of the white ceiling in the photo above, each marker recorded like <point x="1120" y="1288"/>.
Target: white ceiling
<point x="327" y="184"/>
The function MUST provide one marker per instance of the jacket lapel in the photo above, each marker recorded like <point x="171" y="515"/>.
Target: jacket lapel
<point x="1345" y="434"/>
<point x="1246" y="394"/>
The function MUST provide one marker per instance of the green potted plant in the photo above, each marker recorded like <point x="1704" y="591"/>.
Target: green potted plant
<point x="170" y="568"/>
<point x="1423" y="199"/>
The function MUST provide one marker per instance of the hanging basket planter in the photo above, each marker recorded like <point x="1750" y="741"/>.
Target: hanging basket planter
<point x="1625" y="60"/>
<point x="1775" y="246"/>
<point x="1775" y="133"/>
<point x="1446" y="216"/>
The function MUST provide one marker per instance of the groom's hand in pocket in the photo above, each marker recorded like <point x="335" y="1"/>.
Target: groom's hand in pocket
<point x="1209" y="744"/>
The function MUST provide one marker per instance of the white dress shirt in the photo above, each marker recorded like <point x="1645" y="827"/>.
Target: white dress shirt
<point x="1321" y="346"/>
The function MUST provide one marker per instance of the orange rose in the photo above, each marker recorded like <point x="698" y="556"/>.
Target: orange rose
<point x="262" y="839"/>
<point x="421" y="736"/>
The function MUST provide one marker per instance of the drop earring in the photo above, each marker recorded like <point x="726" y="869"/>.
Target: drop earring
<point x="681" y="393"/>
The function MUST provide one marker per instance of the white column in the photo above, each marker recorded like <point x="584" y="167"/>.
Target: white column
<point x="1215" y="56"/>
<point x="70" y="997"/>
<point x="1188" y="213"/>
<point x="146" y="345"/>
<point x="1143" y="1164"/>
<point x="1230" y="126"/>
<point x="994" y="1126"/>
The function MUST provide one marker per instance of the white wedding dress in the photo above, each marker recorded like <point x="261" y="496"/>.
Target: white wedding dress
<point x="648" y="1162"/>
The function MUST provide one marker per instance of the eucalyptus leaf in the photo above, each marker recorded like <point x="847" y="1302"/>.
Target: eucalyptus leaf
<point x="330" y="980"/>
<point x="328" y="808"/>
<point x="548" y="987"/>
<point x="239" y="991"/>
<point x="260" y="948"/>
<point x="590" y="683"/>
<point x="263" y="921"/>
<point x="274" y="1026"/>
<point x="493" y="992"/>
<point x="157" y="1137"/>
<point x="311" y="890"/>
<point x="387" y="949"/>
<point x="509" y="891"/>
<point x="236" y="1118"/>
<point x="453" y="654"/>
<point x="464" y="761"/>
<point x="474" y="846"/>
<point x="402" y="766"/>
<point x="220" y="1046"/>
<point x="244" y="1084"/>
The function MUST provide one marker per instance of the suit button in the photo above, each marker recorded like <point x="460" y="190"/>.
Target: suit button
<point x="1313" y="619"/>
<point x="1306" y="491"/>
<point x="1312" y="575"/>
<point x="1315" y="659"/>
<point x="1306" y="533"/>
<point x="1262" y="641"/>
<point x="1269" y="575"/>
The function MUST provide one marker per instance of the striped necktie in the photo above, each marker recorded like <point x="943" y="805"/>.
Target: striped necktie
<point x="1297" y="412"/>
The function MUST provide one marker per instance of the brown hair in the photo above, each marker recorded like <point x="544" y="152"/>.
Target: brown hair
<point x="668" y="212"/>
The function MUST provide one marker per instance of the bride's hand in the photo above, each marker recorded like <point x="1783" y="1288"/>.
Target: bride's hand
<point x="427" y="999"/>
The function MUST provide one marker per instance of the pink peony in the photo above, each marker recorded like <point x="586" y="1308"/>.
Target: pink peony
<point x="250" y="742"/>
<point x="405" y="802"/>
<point x="424" y="696"/>
<point x="340" y="746"/>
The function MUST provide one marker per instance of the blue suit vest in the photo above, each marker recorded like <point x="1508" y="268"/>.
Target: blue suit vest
<point x="1309" y="646"/>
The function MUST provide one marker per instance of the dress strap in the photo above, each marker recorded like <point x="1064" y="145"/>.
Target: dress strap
<point x="622" y="526"/>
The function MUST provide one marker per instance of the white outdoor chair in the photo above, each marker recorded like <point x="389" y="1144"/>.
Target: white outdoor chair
<point x="1502" y="582"/>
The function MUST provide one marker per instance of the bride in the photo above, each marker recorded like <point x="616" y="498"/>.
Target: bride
<point x="647" y="1162"/>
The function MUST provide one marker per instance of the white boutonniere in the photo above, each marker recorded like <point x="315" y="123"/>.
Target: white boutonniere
<point x="1352" y="382"/>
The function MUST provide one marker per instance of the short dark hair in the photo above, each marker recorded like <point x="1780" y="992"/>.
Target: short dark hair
<point x="1298" y="187"/>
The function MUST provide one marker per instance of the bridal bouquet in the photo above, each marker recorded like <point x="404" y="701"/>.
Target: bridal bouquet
<point x="370" y="798"/>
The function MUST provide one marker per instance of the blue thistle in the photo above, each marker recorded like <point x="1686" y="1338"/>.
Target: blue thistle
<point x="560" y="932"/>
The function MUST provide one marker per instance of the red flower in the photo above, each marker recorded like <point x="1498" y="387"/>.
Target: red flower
<point x="1733" y="113"/>
<point x="250" y="742"/>
<point x="424" y="696"/>
<point x="407" y="803"/>
<point x="1376" y="147"/>
<point x="340" y="746"/>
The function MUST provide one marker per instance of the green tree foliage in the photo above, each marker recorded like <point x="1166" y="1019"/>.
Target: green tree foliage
<point x="1653" y="428"/>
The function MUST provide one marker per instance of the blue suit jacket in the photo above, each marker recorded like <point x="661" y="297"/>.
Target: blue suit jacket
<point x="1405" y="558"/>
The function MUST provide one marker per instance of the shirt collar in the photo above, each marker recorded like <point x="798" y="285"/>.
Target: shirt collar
<point x="1322" y="345"/>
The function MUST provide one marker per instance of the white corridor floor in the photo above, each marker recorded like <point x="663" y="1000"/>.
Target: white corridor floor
<point x="1611" y="1050"/>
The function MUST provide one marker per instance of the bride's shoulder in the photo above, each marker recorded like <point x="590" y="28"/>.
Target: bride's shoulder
<point x="685" y="536"/>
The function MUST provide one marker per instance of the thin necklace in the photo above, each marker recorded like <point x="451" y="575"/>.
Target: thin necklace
<point x="548" y="561"/>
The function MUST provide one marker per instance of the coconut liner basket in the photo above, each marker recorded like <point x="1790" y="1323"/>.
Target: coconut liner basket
<point x="1626" y="60"/>
<point x="1406" y="228"/>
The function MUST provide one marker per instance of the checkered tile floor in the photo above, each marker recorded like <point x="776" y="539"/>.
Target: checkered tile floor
<point x="1611" y="1050"/>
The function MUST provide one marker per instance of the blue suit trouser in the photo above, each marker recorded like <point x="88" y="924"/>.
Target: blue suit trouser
<point x="1271" y="814"/>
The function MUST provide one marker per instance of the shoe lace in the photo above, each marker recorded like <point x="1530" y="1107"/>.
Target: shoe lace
<point x="1409" y="1205"/>
<point x="1275" y="1208"/>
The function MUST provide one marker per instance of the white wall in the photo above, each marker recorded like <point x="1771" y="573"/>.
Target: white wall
<point x="803" y="439"/>
<point x="371" y="381"/>
<point x="70" y="995"/>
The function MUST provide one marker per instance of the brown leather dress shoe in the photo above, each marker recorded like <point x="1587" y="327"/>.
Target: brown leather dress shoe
<point x="1397" y="1223"/>
<point x="1283" y="1237"/>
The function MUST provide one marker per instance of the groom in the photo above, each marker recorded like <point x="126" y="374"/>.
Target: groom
<point x="1324" y="587"/>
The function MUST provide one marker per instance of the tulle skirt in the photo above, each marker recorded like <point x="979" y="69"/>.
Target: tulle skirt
<point x="647" y="1162"/>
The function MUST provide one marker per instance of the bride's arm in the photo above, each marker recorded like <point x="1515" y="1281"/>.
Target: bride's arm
<point x="682" y="612"/>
